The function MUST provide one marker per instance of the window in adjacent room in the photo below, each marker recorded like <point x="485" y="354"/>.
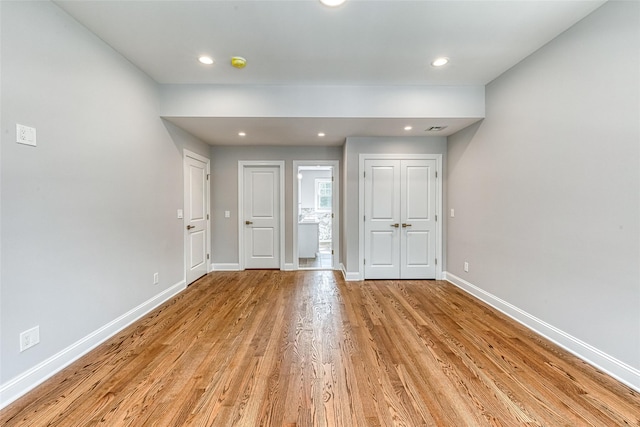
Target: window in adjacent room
<point x="323" y="194"/>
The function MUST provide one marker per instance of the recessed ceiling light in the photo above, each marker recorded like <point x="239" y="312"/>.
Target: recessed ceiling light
<point x="242" y="134"/>
<point x="439" y="62"/>
<point x="408" y="127"/>
<point x="332" y="3"/>
<point x="320" y="134"/>
<point x="207" y="60"/>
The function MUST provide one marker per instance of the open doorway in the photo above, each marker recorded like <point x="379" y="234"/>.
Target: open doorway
<point x="315" y="216"/>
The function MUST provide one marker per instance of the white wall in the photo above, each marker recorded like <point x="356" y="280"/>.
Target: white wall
<point x="355" y="146"/>
<point x="546" y="189"/>
<point x="224" y="192"/>
<point x="89" y="215"/>
<point x="328" y="101"/>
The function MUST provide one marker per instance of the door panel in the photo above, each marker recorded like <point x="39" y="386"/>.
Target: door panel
<point x="263" y="243"/>
<point x="262" y="202"/>
<point x="262" y="217"/>
<point x="382" y="249"/>
<point x="382" y="213"/>
<point x="415" y="195"/>
<point x="197" y="244"/>
<point x="384" y="192"/>
<point x="418" y="219"/>
<point x="195" y="217"/>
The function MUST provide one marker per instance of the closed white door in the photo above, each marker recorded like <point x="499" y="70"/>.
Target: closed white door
<point x="261" y="206"/>
<point x="382" y="219"/>
<point x="399" y="223"/>
<point x="196" y="216"/>
<point x="418" y="225"/>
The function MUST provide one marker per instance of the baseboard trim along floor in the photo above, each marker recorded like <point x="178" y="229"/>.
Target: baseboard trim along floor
<point x="28" y="380"/>
<point x="612" y="366"/>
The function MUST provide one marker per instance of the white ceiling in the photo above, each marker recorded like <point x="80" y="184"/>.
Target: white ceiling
<point x="301" y="42"/>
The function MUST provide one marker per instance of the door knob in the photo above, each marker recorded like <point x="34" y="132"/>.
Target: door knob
<point x="405" y="225"/>
<point x="248" y="222"/>
<point x="189" y="227"/>
<point x="395" y="225"/>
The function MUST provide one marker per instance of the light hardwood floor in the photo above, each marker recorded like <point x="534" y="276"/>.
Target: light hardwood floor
<point x="271" y="348"/>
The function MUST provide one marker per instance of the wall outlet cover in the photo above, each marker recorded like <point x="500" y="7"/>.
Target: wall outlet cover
<point x="29" y="338"/>
<point x="25" y="135"/>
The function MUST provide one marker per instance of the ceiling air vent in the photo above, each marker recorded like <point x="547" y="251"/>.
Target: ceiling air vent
<point x="435" y="128"/>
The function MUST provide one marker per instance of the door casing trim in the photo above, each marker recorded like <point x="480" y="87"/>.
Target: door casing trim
<point x="242" y="164"/>
<point x="362" y="158"/>
<point x="335" y="225"/>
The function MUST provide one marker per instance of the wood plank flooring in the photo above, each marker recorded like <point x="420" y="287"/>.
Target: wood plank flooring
<point x="271" y="348"/>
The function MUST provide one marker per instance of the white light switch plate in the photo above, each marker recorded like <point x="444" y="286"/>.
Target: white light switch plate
<point x="227" y="214"/>
<point x="180" y="214"/>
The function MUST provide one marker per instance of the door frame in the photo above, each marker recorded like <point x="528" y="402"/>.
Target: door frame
<point x="438" y="159"/>
<point x="335" y="209"/>
<point x="187" y="153"/>
<point x="242" y="164"/>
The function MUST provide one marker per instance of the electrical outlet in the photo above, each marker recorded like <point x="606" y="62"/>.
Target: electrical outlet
<point x="453" y="213"/>
<point x="466" y="266"/>
<point x="29" y="338"/>
<point x="155" y="279"/>
<point x="25" y="135"/>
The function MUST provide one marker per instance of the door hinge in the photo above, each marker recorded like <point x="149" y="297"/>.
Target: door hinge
<point x="364" y="174"/>
<point x="207" y="256"/>
<point x="207" y="177"/>
<point x="364" y="218"/>
<point x="436" y="218"/>
<point x="331" y="251"/>
<point x="436" y="174"/>
<point x="436" y="261"/>
<point x="331" y="179"/>
<point x="364" y="261"/>
<point x="207" y="216"/>
<point x="331" y="215"/>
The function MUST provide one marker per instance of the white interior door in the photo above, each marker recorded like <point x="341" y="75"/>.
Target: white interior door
<point x="261" y="207"/>
<point x="418" y="227"/>
<point x="196" y="215"/>
<point x="399" y="223"/>
<point x="382" y="219"/>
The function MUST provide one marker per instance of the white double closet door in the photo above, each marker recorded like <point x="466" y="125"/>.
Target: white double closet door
<point x="400" y="219"/>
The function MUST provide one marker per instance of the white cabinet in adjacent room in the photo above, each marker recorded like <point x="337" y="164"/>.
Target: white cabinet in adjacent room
<point x="308" y="239"/>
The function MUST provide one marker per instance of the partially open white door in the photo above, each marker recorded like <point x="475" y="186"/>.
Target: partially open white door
<point x="196" y="215"/>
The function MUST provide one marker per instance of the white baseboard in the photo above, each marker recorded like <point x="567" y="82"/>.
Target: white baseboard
<point x="20" y="385"/>
<point x="288" y="266"/>
<point x="601" y="360"/>
<point x="349" y="276"/>
<point x="226" y="267"/>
